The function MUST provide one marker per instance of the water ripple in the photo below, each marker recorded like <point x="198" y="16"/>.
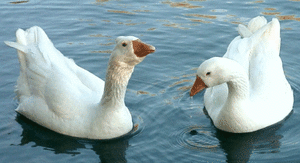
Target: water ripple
<point x="197" y="138"/>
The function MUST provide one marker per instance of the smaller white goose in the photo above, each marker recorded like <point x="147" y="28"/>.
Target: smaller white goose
<point x="61" y="96"/>
<point x="247" y="89"/>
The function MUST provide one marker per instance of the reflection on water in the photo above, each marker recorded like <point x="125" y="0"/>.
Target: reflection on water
<point x="181" y="4"/>
<point x="121" y="12"/>
<point x="19" y="2"/>
<point x="108" y="150"/>
<point x="47" y="138"/>
<point x="237" y="147"/>
<point x="288" y="17"/>
<point x="111" y="151"/>
<point x="240" y="147"/>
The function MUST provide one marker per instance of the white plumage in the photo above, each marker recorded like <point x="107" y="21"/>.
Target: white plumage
<point x="247" y="89"/>
<point x="57" y="94"/>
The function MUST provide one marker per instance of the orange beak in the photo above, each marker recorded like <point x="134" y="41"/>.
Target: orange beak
<point x="198" y="86"/>
<point x="141" y="49"/>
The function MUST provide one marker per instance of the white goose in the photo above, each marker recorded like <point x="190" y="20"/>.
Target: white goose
<point x="247" y="89"/>
<point x="59" y="95"/>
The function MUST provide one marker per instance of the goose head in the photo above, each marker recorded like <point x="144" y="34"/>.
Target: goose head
<point x="213" y="72"/>
<point x="131" y="50"/>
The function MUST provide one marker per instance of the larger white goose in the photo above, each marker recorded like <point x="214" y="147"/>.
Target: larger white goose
<point x="247" y="89"/>
<point x="59" y="95"/>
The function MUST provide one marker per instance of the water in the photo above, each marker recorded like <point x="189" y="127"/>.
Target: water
<point x="171" y="126"/>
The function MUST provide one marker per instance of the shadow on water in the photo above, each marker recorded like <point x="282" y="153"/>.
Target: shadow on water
<point x="240" y="147"/>
<point x="237" y="147"/>
<point x="109" y="151"/>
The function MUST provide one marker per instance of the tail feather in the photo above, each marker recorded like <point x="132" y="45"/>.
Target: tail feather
<point x="253" y="25"/>
<point x="17" y="46"/>
<point x="258" y="38"/>
<point x="34" y="51"/>
<point x="22" y="87"/>
<point x="268" y="34"/>
<point x="262" y="32"/>
<point x="256" y="23"/>
<point x="244" y="31"/>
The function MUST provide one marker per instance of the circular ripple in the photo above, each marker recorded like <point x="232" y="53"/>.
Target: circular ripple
<point x="198" y="138"/>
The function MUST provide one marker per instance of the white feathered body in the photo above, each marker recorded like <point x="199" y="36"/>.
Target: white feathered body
<point x="57" y="94"/>
<point x="270" y="97"/>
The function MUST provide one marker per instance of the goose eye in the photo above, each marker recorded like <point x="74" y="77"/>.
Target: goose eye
<point x="208" y="73"/>
<point x="124" y="44"/>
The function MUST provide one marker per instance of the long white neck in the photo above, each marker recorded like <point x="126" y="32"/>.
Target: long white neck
<point x="234" y="112"/>
<point x="237" y="81"/>
<point x="117" y="77"/>
<point x="238" y="88"/>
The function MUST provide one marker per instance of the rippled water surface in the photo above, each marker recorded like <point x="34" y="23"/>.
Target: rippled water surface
<point x="170" y="126"/>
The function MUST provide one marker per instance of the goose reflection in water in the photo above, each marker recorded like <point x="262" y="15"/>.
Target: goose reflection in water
<point x="107" y="150"/>
<point x="236" y="147"/>
<point x="240" y="147"/>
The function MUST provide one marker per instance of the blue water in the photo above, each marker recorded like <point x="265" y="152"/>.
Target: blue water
<point x="172" y="127"/>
